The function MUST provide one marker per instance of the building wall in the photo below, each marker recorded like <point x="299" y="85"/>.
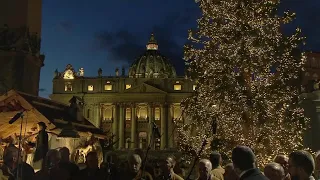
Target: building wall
<point x="129" y="108"/>
<point x="20" y="71"/>
<point x="20" y="57"/>
<point x="18" y="13"/>
<point x="312" y="68"/>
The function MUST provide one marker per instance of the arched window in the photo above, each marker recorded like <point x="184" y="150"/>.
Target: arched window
<point x="142" y="112"/>
<point x="128" y="114"/>
<point x="128" y="142"/>
<point x="143" y="140"/>
<point x="157" y="113"/>
<point x="68" y="86"/>
<point x="107" y="113"/>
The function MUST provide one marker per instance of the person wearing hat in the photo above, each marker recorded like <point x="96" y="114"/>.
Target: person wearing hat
<point x="244" y="162"/>
<point x="42" y="145"/>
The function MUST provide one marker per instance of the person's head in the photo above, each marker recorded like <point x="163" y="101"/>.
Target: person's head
<point x="65" y="154"/>
<point x="229" y="173"/>
<point x="139" y="152"/>
<point x="205" y="168"/>
<point x="215" y="159"/>
<point x="243" y="159"/>
<point x="317" y="161"/>
<point x="52" y="158"/>
<point x="283" y="161"/>
<point x="41" y="126"/>
<point x="10" y="156"/>
<point x="274" y="171"/>
<point x="169" y="163"/>
<point x="301" y="165"/>
<point x="92" y="160"/>
<point x="135" y="162"/>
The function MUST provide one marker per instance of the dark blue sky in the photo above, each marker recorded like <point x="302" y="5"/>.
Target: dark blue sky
<point x="108" y="34"/>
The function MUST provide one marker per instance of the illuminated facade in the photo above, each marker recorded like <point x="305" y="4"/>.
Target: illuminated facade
<point x="127" y="105"/>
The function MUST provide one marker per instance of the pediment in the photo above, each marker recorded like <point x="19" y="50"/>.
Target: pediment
<point x="144" y="88"/>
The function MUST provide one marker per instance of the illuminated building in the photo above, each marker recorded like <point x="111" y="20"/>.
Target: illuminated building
<point x="127" y="105"/>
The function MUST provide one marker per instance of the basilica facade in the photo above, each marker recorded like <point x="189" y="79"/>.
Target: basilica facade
<point x="134" y="107"/>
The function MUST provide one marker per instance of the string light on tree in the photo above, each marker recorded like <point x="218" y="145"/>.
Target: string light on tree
<point x="247" y="75"/>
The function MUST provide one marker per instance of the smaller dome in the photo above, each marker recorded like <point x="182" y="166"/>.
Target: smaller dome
<point x="152" y="64"/>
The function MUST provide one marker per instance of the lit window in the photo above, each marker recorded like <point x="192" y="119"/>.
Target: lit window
<point x="68" y="86"/>
<point x="157" y="113"/>
<point x="90" y="88"/>
<point x="108" y="87"/>
<point x="128" y="114"/>
<point x="128" y="86"/>
<point x="142" y="112"/>
<point x="177" y="87"/>
<point x="107" y="113"/>
<point x="194" y="87"/>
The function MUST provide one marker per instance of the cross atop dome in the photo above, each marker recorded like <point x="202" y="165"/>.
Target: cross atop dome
<point x="152" y="44"/>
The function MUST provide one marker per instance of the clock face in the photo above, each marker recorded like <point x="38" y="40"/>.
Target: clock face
<point x="68" y="75"/>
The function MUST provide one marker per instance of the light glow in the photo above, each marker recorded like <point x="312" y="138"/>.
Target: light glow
<point x="237" y="43"/>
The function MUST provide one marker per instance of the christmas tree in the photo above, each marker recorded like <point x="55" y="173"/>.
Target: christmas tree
<point x="247" y="75"/>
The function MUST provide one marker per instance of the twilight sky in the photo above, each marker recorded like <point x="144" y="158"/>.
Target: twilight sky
<point x="109" y="34"/>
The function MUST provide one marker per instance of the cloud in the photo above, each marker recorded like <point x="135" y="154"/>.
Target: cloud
<point x="65" y="26"/>
<point x="42" y="90"/>
<point x="125" y="45"/>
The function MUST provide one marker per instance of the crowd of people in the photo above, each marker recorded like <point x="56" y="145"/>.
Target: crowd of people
<point x="299" y="165"/>
<point x="55" y="164"/>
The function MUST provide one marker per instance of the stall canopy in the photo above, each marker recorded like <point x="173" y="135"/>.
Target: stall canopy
<point x="56" y="115"/>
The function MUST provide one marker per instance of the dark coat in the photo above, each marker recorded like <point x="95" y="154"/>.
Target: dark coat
<point x="42" y="146"/>
<point x="253" y="174"/>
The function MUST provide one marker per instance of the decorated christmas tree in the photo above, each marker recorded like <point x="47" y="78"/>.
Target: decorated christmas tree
<point x="248" y="80"/>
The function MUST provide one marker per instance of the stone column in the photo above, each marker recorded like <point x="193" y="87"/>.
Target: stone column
<point x="115" y="124"/>
<point x="164" y="126"/>
<point x="134" y="140"/>
<point x="97" y="118"/>
<point x="170" y="127"/>
<point x="122" y="126"/>
<point x="151" y="119"/>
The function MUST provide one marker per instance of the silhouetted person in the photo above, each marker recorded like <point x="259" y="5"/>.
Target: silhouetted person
<point x="167" y="167"/>
<point x="244" y="163"/>
<point x="135" y="169"/>
<point x="42" y="145"/>
<point x="51" y="169"/>
<point x="283" y="160"/>
<point x="301" y="165"/>
<point x="92" y="171"/>
<point x="229" y="173"/>
<point x="274" y="171"/>
<point x="317" y="166"/>
<point x="205" y="168"/>
<point x="15" y="167"/>
<point x="65" y="163"/>
<point x="216" y="161"/>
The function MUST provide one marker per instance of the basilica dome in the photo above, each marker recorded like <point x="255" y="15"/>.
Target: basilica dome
<point x="152" y="64"/>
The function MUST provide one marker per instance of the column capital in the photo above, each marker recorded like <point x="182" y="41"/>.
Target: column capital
<point x="132" y="105"/>
<point x="121" y="104"/>
<point x="154" y="104"/>
<point x="150" y="104"/>
<point x="165" y="104"/>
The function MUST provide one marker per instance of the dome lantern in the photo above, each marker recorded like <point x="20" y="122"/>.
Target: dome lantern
<point x="152" y="44"/>
<point x="151" y="64"/>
